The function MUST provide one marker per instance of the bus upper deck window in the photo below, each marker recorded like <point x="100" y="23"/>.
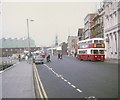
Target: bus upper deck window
<point x="101" y="41"/>
<point x="95" y="41"/>
<point x="90" y="41"/>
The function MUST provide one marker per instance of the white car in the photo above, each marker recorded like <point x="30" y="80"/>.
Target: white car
<point x="38" y="59"/>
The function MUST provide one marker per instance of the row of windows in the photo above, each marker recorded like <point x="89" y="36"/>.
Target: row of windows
<point x="111" y="15"/>
<point x="91" y="41"/>
<point x="12" y="49"/>
<point x="114" y="53"/>
<point x="16" y="49"/>
<point x="112" y="35"/>
<point x="92" y="52"/>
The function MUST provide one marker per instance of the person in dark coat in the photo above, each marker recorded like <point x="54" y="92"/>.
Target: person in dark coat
<point x="19" y="57"/>
<point x="58" y="55"/>
<point x="48" y="58"/>
<point x="61" y="56"/>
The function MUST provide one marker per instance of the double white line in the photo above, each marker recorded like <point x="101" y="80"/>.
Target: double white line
<point x="41" y="89"/>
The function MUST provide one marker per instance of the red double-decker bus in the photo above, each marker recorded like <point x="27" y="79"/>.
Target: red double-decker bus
<point x="91" y="49"/>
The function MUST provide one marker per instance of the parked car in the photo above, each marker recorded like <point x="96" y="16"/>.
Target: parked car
<point x="38" y="59"/>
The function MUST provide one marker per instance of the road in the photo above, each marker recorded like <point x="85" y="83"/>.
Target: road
<point x="71" y="78"/>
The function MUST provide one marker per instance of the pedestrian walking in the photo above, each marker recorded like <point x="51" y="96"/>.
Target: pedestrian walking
<point x="48" y="58"/>
<point x="26" y="58"/>
<point x="19" y="57"/>
<point x="61" y="56"/>
<point x="58" y="56"/>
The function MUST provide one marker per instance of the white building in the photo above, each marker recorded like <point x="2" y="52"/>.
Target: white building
<point x="112" y="28"/>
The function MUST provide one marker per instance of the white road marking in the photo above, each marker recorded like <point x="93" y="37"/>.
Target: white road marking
<point x="91" y="97"/>
<point x="1" y="72"/>
<point x="60" y="75"/>
<point x="69" y="83"/>
<point x="62" y="78"/>
<point x="65" y="80"/>
<point x="57" y="75"/>
<point x="51" y="69"/>
<point x="73" y="86"/>
<point x="54" y="72"/>
<point x="78" y="90"/>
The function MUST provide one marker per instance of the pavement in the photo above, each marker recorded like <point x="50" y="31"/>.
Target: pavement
<point x="116" y="61"/>
<point x="17" y="81"/>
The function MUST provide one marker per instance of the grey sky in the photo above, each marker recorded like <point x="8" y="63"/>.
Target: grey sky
<point x="50" y="18"/>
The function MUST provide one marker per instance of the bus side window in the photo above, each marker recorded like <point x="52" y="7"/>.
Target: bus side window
<point x="101" y="51"/>
<point x="95" y="41"/>
<point x="89" y="41"/>
<point x="101" y="41"/>
<point x="95" y="51"/>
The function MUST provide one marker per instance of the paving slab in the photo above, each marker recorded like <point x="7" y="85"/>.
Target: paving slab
<point x="17" y="82"/>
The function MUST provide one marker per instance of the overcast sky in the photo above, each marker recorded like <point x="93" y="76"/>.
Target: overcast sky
<point x="50" y="18"/>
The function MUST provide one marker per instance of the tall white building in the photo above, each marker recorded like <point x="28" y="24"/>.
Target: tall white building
<point x="112" y="28"/>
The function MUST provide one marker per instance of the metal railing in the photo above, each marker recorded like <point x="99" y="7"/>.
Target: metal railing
<point x="6" y="62"/>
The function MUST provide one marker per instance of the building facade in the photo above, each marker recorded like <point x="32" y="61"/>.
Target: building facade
<point x="5" y="52"/>
<point x="112" y="28"/>
<point x="72" y="45"/>
<point x="81" y="34"/>
<point x="98" y="28"/>
<point x="64" y="48"/>
<point x="16" y="43"/>
<point x="88" y="23"/>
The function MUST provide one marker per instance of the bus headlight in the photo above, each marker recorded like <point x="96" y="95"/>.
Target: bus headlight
<point x="95" y="56"/>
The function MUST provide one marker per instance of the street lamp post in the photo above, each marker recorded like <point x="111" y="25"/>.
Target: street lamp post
<point x="28" y="34"/>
